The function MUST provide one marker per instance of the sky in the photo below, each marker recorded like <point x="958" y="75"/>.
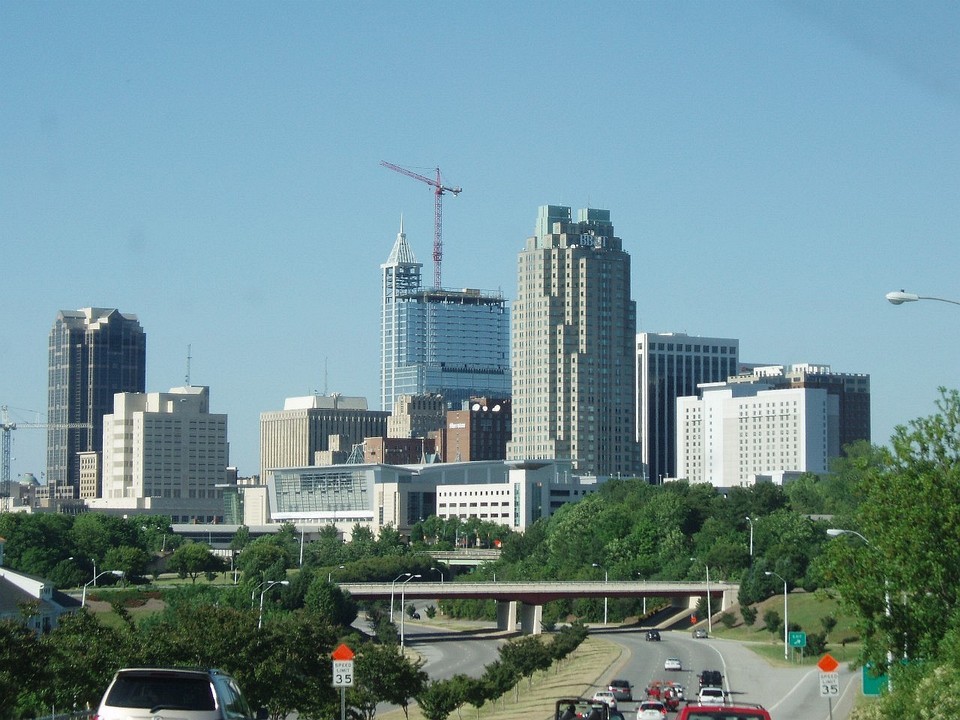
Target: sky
<point x="773" y="168"/>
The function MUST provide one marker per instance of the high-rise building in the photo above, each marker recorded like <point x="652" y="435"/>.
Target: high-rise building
<point x="453" y="343"/>
<point x="572" y="346"/>
<point x="94" y="354"/>
<point x="480" y="431"/>
<point x="165" y="453"/>
<point x="671" y="365"/>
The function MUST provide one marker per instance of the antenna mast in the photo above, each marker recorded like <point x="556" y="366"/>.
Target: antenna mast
<point x="187" y="379"/>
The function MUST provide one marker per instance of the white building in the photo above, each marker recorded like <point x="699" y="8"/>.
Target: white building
<point x="165" y="453"/>
<point x="737" y="434"/>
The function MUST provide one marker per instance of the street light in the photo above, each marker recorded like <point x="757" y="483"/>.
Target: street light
<point x="330" y="574"/>
<point x="393" y="585"/>
<point x="270" y="584"/>
<point x="83" y="599"/>
<point x="786" y="622"/>
<point x="605" y="577"/>
<point x="95" y="576"/>
<point x="402" y="613"/>
<point x="709" y="608"/>
<point x="438" y="570"/>
<point x="899" y="297"/>
<point x="836" y="532"/>
<point x="750" y="520"/>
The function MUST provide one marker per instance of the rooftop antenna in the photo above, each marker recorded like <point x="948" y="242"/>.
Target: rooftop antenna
<point x="187" y="378"/>
<point x="325" y="375"/>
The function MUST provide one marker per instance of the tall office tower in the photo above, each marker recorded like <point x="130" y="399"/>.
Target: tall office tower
<point x="453" y="343"/>
<point x="94" y="353"/>
<point x="574" y="326"/>
<point x="416" y="416"/>
<point x="671" y="365"/>
<point x="165" y="453"/>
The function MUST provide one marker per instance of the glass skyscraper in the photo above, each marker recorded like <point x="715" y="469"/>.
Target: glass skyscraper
<point x="454" y="343"/>
<point x="93" y="354"/>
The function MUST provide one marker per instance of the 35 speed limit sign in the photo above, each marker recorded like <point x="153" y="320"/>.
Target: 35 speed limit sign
<point x="343" y="673"/>
<point x="829" y="684"/>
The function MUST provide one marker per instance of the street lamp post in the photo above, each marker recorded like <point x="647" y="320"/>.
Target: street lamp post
<point x="750" y="520"/>
<point x="393" y="585"/>
<point x="786" y="621"/>
<point x="270" y="584"/>
<point x="899" y="297"/>
<point x="95" y="576"/>
<point x="402" y="611"/>
<point x="836" y="532"/>
<point x="330" y="574"/>
<point x="438" y="570"/>
<point x="709" y="607"/>
<point x="83" y="597"/>
<point x="605" y="579"/>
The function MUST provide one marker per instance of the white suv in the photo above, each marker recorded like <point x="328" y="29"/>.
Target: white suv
<point x="147" y="693"/>
<point x="711" y="696"/>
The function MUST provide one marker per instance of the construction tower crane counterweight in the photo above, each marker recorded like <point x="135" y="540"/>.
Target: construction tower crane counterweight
<point x="438" y="190"/>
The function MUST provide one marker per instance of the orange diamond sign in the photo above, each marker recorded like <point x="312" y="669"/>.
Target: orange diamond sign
<point x="343" y="653"/>
<point x="828" y="663"/>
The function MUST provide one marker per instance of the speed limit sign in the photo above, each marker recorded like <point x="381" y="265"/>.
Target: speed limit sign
<point x="829" y="684"/>
<point x="343" y="673"/>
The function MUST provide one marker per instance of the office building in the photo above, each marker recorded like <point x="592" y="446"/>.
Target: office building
<point x="669" y="366"/>
<point x="572" y="346"/>
<point x="94" y="353"/>
<point x="416" y="416"/>
<point x="738" y="433"/>
<point x="165" y="453"/>
<point x="294" y="436"/>
<point x="480" y="431"/>
<point x="452" y="343"/>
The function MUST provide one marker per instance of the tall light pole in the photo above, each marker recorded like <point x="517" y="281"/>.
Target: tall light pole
<point x="330" y="574"/>
<point x="438" y="570"/>
<point x="403" y="586"/>
<point x="270" y="584"/>
<point x="83" y="598"/>
<point x="605" y="579"/>
<point x="836" y="532"/>
<point x="709" y="607"/>
<point x="786" y="621"/>
<point x="899" y="297"/>
<point x="393" y="585"/>
<point x="750" y="520"/>
<point x="95" y="576"/>
<point x="303" y="532"/>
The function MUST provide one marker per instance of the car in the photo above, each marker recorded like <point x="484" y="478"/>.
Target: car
<point x="651" y="710"/>
<point x="700" y="633"/>
<point x="415" y="616"/>
<point x="187" y="694"/>
<point x="653" y="635"/>
<point x="738" y="711"/>
<point x="621" y="689"/>
<point x="710" y="678"/>
<point x="711" y="696"/>
<point x="672" y="664"/>
<point x="577" y="708"/>
<point x="606" y="697"/>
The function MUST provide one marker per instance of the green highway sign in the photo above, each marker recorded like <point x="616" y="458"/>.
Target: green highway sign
<point x="797" y="639"/>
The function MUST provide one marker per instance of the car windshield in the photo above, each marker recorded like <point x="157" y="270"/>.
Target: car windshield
<point x="138" y="691"/>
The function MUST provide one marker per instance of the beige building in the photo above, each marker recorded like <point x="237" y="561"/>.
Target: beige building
<point x="416" y="416"/>
<point x="572" y="346"/>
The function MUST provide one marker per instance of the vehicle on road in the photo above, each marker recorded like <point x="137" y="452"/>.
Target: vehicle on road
<point x="711" y="696"/>
<point x="667" y="692"/>
<point x="710" y="678"/>
<point x="651" y="710"/>
<point x="673" y="665"/>
<point x="700" y="633"/>
<point x="738" y="711"/>
<point x="621" y="689"/>
<point x="174" y="692"/>
<point x="606" y="697"/>
<point x="653" y="635"/>
<point x="572" y="708"/>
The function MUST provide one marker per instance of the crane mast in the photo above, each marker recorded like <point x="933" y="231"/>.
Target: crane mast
<point x="438" y="191"/>
<point x="6" y="428"/>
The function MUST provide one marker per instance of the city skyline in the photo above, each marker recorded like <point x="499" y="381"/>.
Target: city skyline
<point x="774" y="170"/>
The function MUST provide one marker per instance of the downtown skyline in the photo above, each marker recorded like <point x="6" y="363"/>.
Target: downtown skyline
<point x="773" y="170"/>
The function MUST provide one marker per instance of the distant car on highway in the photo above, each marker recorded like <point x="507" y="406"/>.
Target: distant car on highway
<point x="621" y="689"/>
<point x="700" y="633"/>
<point x="711" y="696"/>
<point x="651" y="710"/>
<point x="606" y="697"/>
<point x="653" y="635"/>
<point x="673" y="664"/>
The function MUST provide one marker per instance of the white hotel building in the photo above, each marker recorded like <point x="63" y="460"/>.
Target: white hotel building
<point x="736" y="434"/>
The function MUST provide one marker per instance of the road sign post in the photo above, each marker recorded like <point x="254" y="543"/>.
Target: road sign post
<point x="829" y="680"/>
<point x="343" y="675"/>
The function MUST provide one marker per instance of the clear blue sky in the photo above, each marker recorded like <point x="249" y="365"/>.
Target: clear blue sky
<point x="773" y="169"/>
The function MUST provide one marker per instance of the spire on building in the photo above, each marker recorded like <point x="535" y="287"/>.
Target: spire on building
<point x="401" y="254"/>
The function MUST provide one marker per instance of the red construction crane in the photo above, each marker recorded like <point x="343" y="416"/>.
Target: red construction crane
<point x="438" y="190"/>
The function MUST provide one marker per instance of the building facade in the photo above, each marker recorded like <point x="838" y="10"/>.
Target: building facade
<point x="669" y="366"/>
<point x="416" y="416"/>
<point x="738" y="433"/>
<point x="452" y="343"/>
<point x="165" y="453"/>
<point x="572" y="346"/>
<point x="293" y="437"/>
<point x="94" y="353"/>
<point x="480" y="431"/>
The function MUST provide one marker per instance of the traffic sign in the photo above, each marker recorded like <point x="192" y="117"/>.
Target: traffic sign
<point x="829" y="684"/>
<point x="872" y="684"/>
<point x="343" y="673"/>
<point x="343" y="652"/>
<point x="828" y="663"/>
<point x="797" y="639"/>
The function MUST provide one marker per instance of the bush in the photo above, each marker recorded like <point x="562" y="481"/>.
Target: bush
<point x="771" y="621"/>
<point x="749" y="614"/>
<point x="727" y="620"/>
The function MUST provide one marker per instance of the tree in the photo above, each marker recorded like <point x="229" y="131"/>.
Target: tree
<point x="329" y="602"/>
<point x="771" y="621"/>
<point x="22" y="667"/>
<point x="749" y="614"/>
<point x="131" y="561"/>
<point x="385" y="673"/>
<point x="439" y="698"/>
<point x="193" y="560"/>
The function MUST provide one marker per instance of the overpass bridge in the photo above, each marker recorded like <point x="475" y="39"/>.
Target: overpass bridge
<point x="524" y="600"/>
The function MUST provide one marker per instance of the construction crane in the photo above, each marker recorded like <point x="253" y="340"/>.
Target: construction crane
<point x="438" y="190"/>
<point x="6" y="441"/>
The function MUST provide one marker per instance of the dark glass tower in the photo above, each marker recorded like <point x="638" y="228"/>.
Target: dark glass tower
<point x="94" y="353"/>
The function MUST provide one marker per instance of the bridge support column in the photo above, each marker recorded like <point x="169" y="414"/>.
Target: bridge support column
<point x="531" y="619"/>
<point x="507" y="615"/>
